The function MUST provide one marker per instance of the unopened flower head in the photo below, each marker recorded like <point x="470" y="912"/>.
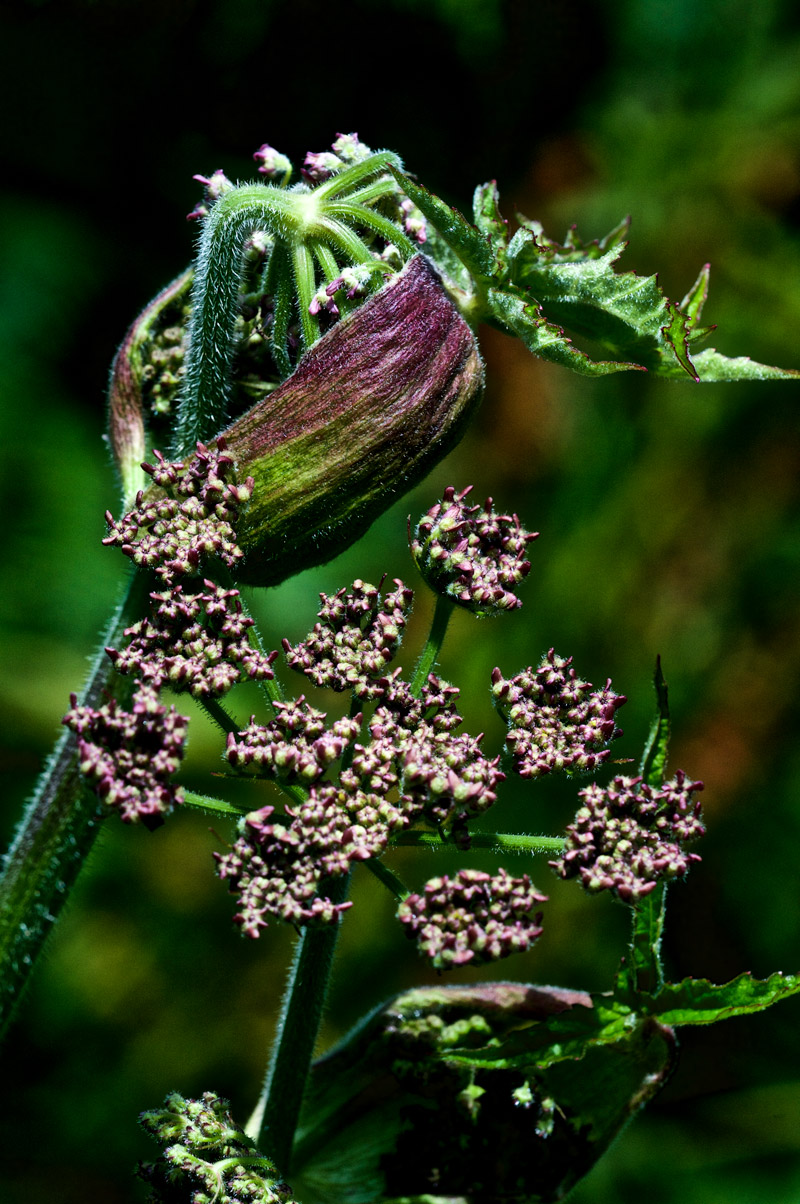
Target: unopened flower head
<point x="556" y="721"/>
<point x="130" y="756"/>
<point x="189" y="517"/>
<point x="446" y="777"/>
<point x="472" y="555"/>
<point x="276" y="868"/>
<point x="474" y="917"/>
<point x="368" y="410"/>
<point x="295" y="747"/>
<point x="357" y="636"/>
<point x="628" y="837"/>
<point x="346" y="150"/>
<point x="272" y="164"/>
<point x="208" y="1157"/>
<point x="197" y="643"/>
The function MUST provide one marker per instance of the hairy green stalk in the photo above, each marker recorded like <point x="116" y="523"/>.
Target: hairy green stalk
<point x="433" y="646"/>
<point x="58" y="828"/>
<point x="274" y="1120"/>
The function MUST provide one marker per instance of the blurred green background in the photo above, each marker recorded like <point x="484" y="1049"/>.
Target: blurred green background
<point x="668" y="512"/>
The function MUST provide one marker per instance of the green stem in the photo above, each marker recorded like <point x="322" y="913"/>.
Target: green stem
<point x="212" y="806"/>
<point x="426" y="662"/>
<point x="59" y="826"/>
<point x="647" y="929"/>
<point x="275" y="1118"/>
<point x="305" y="282"/>
<point x="390" y="880"/>
<point x="501" y="842"/>
<point x="216" y="711"/>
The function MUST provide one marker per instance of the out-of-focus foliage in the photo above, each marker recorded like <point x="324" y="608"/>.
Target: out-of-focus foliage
<point x="668" y="512"/>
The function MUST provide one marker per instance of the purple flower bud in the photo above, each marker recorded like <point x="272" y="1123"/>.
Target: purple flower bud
<point x="276" y="868"/>
<point x="628" y="836"/>
<point x="556" y="721"/>
<point x="188" y="517"/>
<point x="129" y="756"/>
<point x="295" y="747"/>
<point x="474" y="917"/>
<point x="194" y="642"/>
<point x="471" y="555"/>
<point x="370" y="408"/>
<point x="358" y="635"/>
<point x="272" y="164"/>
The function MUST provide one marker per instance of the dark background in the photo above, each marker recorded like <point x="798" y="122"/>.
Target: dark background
<point x="668" y="512"/>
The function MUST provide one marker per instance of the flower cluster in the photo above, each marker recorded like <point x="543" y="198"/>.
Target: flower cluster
<point x="197" y="642"/>
<point x="295" y="747"/>
<point x="207" y="1156"/>
<point x="356" y="638"/>
<point x="129" y="756"/>
<point x="627" y="837"/>
<point x="440" y="777"/>
<point x="471" y="555"/>
<point x="277" y="869"/>
<point x="556" y="720"/>
<point x="214" y="186"/>
<point x="347" y="150"/>
<point x="414" y="767"/>
<point x="474" y="917"/>
<point x="194" y="517"/>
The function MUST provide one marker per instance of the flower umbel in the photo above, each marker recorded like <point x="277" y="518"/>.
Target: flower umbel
<point x="628" y="836"/>
<point x="474" y="917"/>
<point x="189" y="517"/>
<point x="208" y="1157"/>
<point x="277" y="869"/>
<point x="472" y="555"/>
<point x="295" y="747"/>
<point x="356" y="638"/>
<point x="556" y="720"/>
<point x="194" y="642"/>
<point x="129" y="756"/>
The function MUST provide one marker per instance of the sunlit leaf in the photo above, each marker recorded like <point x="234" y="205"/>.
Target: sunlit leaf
<point x="696" y="1001"/>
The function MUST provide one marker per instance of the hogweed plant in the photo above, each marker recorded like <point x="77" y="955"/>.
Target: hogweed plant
<point x="317" y="360"/>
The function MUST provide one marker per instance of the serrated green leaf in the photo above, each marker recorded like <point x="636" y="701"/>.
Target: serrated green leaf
<point x="471" y="246"/>
<point x="491" y="223"/>
<point x="516" y="312"/>
<point x="573" y="249"/>
<point x="697" y="1001"/>
<point x="692" y="304"/>
<point x="626" y="313"/>
<point x="711" y="366"/>
<point x="654" y="759"/>
<point x="541" y="289"/>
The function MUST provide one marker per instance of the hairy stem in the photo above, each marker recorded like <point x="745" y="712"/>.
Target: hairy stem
<point x="501" y="842"/>
<point x="275" y="1118"/>
<point x="389" y="879"/>
<point x="430" y="653"/>
<point x="58" y="828"/>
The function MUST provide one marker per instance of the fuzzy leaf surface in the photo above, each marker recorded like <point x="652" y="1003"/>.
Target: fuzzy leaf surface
<point x="697" y="1001"/>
